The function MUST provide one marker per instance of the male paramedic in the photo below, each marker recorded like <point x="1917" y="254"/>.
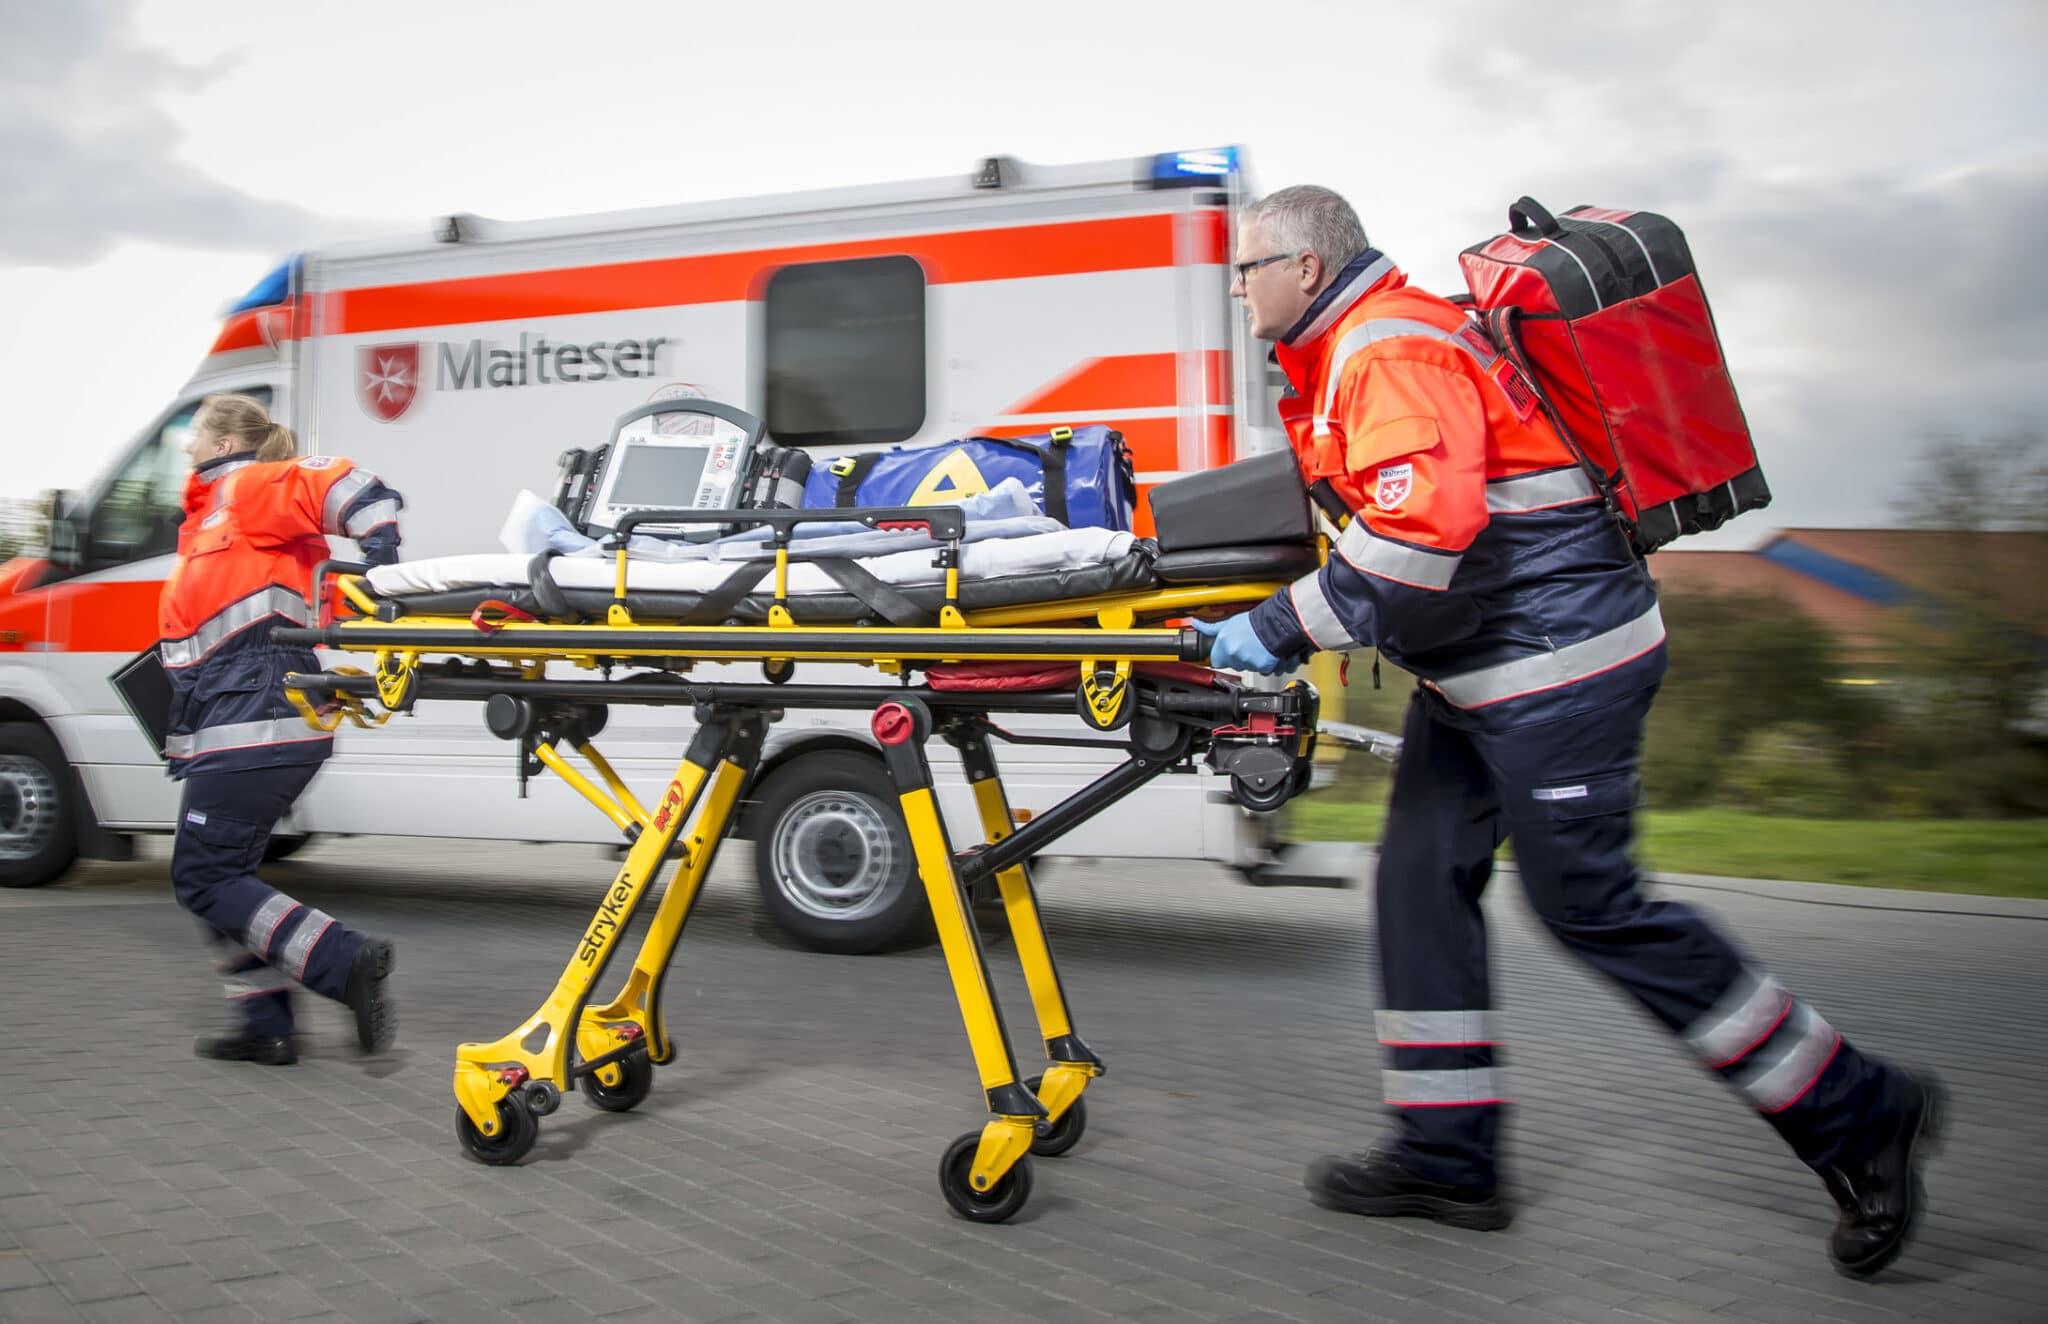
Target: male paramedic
<point x="1480" y="557"/>
<point x="256" y="522"/>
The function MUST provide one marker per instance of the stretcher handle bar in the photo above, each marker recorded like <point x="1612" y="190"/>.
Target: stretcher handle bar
<point x="1381" y="744"/>
<point x="943" y="523"/>
<point x="1184" y="645"/>
<point x="317" y="598"/>
<point x="656" y="693"/>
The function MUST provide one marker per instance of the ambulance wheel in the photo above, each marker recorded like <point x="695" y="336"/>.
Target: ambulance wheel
<point x="38" y="820"/>
<point x="1056" y="1138"/>
<point x="832" y="857"/>
<point x="518" y="1128"/>
<point x="631" y="1091"/>
<point x="1000" y="1202"/>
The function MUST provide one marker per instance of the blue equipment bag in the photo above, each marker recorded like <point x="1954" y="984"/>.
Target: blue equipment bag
<point x="1082" y="477"/>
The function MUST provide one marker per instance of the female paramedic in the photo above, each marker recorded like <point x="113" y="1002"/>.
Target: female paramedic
<point x="255" y="524"/>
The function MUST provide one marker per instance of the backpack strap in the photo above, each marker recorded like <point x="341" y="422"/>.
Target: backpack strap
<point x="1055" y="456"/>
<point x="852" y="471"/>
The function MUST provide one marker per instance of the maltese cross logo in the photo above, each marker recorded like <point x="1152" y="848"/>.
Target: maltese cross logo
<point x="387" y="380"/>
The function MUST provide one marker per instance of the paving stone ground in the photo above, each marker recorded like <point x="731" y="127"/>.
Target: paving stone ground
<point x="785" y="1167"/>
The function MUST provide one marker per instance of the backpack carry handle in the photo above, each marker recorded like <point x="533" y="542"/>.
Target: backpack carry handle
<point x="1528" y="216"/>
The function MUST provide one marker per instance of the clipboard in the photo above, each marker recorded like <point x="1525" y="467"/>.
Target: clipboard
<point x="146" y="689"/>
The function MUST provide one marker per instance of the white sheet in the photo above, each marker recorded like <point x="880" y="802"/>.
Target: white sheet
<point x="992" y="559"/>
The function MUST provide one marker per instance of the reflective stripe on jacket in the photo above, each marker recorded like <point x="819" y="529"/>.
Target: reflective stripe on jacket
<point x="252" y="534"/>
<point x="1479" y="555"/>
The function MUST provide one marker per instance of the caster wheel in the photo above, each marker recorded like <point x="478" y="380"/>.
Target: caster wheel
<point x="629" y="1093"/>
<point x="542" y="1098"/>
<point x="994" y="1205"/>
<point x="518" y="1128"/>
<point x="779" y="671"/>
<point x="1056" y="1138"/>
<point x="1252" y="798"/>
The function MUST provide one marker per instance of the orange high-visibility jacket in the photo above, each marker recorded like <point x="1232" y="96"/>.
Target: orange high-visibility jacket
<point x="252" y="535"/>
<point x="1479" y="555"/>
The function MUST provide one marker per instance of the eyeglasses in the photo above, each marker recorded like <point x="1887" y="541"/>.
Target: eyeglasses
<point x="1244" y="270"/>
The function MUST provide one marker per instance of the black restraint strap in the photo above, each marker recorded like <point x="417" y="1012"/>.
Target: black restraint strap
<point x="547" y="594"/>
<point x="720" y="602"/>
<point x="893" y="606"/>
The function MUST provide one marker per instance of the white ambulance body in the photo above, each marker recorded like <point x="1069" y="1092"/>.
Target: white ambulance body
<point x="458" y="366"/>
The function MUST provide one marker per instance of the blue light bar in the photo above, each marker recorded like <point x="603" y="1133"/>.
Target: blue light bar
<point x="1190" y="166"/>
<point x="272" y="290"/>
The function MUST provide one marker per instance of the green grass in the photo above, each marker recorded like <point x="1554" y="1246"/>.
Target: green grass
<point x="1985" y="858"/>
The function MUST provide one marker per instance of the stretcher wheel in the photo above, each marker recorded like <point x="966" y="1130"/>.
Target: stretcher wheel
<point x="1056" y="1138"/>
<point x="999" y="1202"/>
<point x="518" y="1128"/>
<point x="1260" y="801"/>
<point x="629" y="1093"/>
<point x="778" y="670"/>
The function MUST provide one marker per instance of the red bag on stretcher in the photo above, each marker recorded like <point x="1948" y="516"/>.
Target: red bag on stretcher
<point x="1603" y="313"/>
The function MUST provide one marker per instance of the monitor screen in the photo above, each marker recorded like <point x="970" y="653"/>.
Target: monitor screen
<point x="661" y="476"/>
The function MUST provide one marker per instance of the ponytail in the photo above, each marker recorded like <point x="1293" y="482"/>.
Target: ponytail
<point x="243" y="422"/>
<point x="278" y="444"/>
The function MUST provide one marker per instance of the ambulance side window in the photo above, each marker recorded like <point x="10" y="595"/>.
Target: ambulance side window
<point x="845" y="352"/>
<point x="139" y="509"/>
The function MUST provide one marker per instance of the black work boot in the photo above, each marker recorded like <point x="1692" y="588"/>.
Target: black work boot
<point x="1376" y="1184"/>
<point x="369" y="997"/>
<point x="272" y="1050"/>
<point x="1881" y="1196"/>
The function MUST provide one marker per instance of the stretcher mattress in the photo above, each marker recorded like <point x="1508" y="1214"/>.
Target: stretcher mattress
<point x="903" y="588"/>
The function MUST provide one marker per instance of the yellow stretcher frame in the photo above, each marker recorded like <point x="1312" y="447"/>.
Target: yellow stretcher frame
<point x="504" y="1086"/>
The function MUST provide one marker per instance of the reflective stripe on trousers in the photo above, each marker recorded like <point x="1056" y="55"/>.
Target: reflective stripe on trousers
<point x="1767" y="1044"/>
<point x="242" y="735"/>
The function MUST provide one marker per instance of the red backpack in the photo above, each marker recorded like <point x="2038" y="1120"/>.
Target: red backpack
<point x="1603" y="313"/>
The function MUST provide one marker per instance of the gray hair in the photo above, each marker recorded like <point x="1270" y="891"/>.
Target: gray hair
<point x="1310" y="219"/>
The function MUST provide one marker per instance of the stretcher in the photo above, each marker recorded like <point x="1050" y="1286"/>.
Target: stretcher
<point x="951" y="651"/>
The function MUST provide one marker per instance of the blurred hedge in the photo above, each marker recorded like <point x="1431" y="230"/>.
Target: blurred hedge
<point x="1754" y="716"/>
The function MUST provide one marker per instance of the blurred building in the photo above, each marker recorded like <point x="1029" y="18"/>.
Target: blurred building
<point x="1871" y="587"/>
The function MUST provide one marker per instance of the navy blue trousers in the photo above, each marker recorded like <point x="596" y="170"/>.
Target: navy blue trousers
<point x="268" y="940"/>
<point x="1565" y="792"/>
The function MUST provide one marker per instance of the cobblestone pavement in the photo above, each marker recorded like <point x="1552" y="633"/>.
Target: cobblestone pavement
<point x="785" y="1167"/>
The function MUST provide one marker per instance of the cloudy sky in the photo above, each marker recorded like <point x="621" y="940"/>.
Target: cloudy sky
<point x="1863" y="184"/>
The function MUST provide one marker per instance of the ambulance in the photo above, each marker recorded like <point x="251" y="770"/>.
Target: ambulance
<point x="458" y="364"/>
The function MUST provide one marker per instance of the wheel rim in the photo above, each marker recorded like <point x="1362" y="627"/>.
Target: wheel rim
<point x="835" y="857"/>
<point x="28" y="807"/>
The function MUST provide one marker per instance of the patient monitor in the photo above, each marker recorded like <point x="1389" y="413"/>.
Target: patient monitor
<point x="687" y="454"/>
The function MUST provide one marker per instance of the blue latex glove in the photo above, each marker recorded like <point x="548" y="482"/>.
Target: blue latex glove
<point x="1237" y="647"/>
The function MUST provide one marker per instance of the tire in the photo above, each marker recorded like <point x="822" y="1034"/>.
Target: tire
<point x="636" y="1080"/>
<point x="1000" y="1202"/>
<point x="1056" y="1138"/>
<point x="518" y="1128"/>
<point x="832" y="856"/>
<point x="284" y="845"/>
<point x="38" y="817"/>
